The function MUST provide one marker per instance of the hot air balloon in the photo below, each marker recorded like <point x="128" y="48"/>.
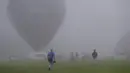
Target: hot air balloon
<point x="36" y="21"/>
<point x="123" y="46"/>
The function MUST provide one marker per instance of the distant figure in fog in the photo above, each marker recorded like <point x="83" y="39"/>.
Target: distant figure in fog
<point x="51" y="59"/>
<point x="94" y="54"/>
<point x="77" y="54"/>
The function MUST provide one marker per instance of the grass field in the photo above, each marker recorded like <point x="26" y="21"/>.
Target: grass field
<point x="66" y="67"/>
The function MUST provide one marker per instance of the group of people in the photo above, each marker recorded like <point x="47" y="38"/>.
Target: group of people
<point x="52" y="60"/>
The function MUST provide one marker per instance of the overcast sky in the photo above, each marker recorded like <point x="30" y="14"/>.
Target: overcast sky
<point x="88" y="24"/>
<point x="10" y="42"/>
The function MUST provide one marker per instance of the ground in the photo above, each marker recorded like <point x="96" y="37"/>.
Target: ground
<point x="66" y="67"/>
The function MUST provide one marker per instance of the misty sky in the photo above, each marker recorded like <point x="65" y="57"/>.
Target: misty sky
<point x="11" y="44"/>
<point x="88" y="24"/>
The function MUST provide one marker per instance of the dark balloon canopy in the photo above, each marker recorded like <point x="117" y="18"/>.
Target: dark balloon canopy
<point x="36" y="21"/>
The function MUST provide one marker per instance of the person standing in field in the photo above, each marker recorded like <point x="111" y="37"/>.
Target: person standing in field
<point x="51" y="59"/>
<point x="77" y="55"/>
<point x="94" y="54"/>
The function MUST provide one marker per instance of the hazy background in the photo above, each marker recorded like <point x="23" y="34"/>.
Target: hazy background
<point x="88" y="24"/>
<point x="10" y="42"/>
<point x="91" y="24"/>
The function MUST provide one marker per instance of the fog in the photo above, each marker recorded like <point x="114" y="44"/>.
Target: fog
<point x="88" y="24"/>
<point x="91" y="24"/>
<point x="36" y="21"/>
<point x="122" y="47"/>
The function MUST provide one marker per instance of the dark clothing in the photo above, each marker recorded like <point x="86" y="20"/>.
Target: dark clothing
<point x="51" y="55"/>
<point x="50" y="60"/>
<point x="94" y="54"/>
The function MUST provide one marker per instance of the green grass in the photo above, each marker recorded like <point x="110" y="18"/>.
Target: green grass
<point x="66" y="67"/>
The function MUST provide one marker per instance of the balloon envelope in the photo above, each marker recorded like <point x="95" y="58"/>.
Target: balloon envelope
<point x="36" y="21"/>
<point x="123" y="46"/>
